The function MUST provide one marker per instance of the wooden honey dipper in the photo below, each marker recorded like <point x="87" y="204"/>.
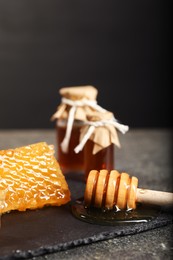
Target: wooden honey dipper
<point x="107" y="190"/>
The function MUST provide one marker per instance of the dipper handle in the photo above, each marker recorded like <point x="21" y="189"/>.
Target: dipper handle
<point x="154" y="197"/>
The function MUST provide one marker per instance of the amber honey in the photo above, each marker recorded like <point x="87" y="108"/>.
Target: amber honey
<point x="70" y="161"/>
<point x="114" y="217"/>
<point x="104" y="159"/>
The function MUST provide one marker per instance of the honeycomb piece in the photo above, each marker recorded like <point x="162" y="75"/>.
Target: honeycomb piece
<point x="30" y="178"/>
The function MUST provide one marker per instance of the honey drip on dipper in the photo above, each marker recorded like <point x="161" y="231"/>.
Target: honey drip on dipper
<point x="112" y="197"/>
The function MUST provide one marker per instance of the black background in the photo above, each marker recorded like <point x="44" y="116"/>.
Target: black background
<point x="123" y="48"/>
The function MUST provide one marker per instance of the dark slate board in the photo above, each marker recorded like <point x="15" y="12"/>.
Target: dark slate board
<point x="51" y="229"/>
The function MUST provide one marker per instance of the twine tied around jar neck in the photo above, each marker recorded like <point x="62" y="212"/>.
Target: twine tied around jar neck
<point x="91" y="127"/>
<point x="74" y="104"/>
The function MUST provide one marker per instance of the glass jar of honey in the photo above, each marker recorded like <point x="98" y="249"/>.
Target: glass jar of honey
<point x="69" y="161"/>
<point x="98" y="138"/>
<point x="76" y="103"/>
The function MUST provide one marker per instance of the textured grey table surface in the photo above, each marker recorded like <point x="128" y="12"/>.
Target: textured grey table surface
<point x="145" y="153"/>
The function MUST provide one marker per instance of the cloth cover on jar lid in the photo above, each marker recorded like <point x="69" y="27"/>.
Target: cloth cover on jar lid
<point x="76" y="103"/>
<point x="101" y="128"/>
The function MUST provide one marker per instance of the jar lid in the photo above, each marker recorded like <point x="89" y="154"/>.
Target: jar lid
<point x="98" y="116"/>
<point x="79" y="92"/>
<point x="100" y="129"/>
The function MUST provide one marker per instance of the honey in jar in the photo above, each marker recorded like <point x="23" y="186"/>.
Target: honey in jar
<point x="70" y="161"/>
<point x="76" y="103"/>
<point x="104" y="159"/>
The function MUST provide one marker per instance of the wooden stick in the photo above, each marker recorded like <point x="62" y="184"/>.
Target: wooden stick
<point x="153" y="197"/>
